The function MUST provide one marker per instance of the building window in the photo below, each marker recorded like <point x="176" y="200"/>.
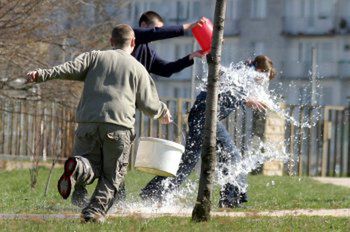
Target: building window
<point x="258" y="48"/>
<point x="258" y="9"/>
<point x="137" y="12"/>
<point x="196" y="6"/>
<point x="182" y="10"/>
<point x="231" y="9"/>
<point x="177" y="92"/>
<point x="230" y="48"/>
<point x="325" y="9"/>
<point x="182" y="49"/>
<point x="324" y="96"/>
<point x="320" y="8"/>
<point x="325" y="53"/>
<point x="304" y="96"/>
<point x="304" y="51"/>
<point x="165" y="10"/>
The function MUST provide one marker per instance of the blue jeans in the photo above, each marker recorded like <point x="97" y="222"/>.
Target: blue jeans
<point x="155" y="189"/>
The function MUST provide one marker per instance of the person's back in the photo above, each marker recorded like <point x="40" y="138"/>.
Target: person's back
<point x="110" y="89"/>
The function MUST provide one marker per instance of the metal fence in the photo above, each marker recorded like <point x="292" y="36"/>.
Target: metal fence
<point x="46" y="129"/>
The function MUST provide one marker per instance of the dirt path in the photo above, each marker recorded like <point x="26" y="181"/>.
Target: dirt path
<point x="187" y="213"/>
<point x="341" y="181"/>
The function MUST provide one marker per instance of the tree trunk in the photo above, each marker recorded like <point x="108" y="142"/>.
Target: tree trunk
<point x="201" y="211"/>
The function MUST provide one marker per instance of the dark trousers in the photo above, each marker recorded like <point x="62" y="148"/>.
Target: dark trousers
<point x="155" y="189"/>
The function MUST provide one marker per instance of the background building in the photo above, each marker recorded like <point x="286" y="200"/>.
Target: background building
<point x="285" y="30"/>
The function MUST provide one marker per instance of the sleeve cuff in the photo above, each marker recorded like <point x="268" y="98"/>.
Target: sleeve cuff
<point x="188" y="61"/>
<point x="165" y="108"/>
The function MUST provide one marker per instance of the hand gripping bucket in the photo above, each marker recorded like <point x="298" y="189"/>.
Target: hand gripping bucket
<point x="158" y="156"/>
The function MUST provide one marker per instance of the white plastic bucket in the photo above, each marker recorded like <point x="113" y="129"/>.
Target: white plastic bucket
<point x="158" y="156"/>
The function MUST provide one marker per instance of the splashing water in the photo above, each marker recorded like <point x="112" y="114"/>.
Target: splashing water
<point x="178" y="201"/>
<point x="254" y="157"/>
<point x="243" y="82"/>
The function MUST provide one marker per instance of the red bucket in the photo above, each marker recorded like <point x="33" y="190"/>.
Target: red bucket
<point x="203" y="35"/>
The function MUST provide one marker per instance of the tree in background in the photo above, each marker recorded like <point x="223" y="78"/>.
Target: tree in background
<point x="201" y="211"/>
<point x="42" y="33"/>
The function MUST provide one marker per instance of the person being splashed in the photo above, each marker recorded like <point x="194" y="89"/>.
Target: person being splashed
<point x="233" y="93"/>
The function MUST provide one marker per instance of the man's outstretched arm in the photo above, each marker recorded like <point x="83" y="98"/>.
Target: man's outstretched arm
<point x="72" y="70"/>
<point x="146" y="35"/>
<point x="166" y="69"/>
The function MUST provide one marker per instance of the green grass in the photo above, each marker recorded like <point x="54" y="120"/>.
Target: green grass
<point x="16" y="196"/>
<point x="261" y="224"/>
<point x="295" y="193"/>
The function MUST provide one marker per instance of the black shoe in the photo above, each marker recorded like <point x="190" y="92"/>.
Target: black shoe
<point x="243" y="197"/>
<point x="229" y="204"/>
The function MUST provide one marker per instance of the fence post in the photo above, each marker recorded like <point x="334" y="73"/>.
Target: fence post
<point x="310" y="145"/>
<point x="179" y="120"/>
<point x="300" y="145"/>
<point x="258" y="129"/>
<point x="348" y="142"/>
<point x="325" y="142"/>
<point x="291" y="162"/>
<point x="23" y="126"/>
<point x="7" y="127"/>
<point x="274" y="134"/>
<point x="16" y="128"/>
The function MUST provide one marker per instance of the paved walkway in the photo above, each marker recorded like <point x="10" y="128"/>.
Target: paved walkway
<point x="341" y="181"/>
<point x="187" y="213"/>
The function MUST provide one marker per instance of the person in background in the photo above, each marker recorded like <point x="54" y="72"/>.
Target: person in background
<point x="230" y="195"/>
<point x="151" y="28"/>
<point x="115" y="84"/>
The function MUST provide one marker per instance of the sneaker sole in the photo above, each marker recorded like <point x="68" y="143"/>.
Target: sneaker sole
<point x="64" y="184"/>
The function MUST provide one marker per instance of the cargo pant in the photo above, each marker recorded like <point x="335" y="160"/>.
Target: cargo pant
<point x="102" y="152"/>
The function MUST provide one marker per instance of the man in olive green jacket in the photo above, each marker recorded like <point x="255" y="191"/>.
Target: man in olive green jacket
<point x="115" y="84"/>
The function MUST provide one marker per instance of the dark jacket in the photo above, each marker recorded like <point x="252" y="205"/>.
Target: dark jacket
<point x="228" y="101"/>
<point x="145" y="54"/>
<point x="227" y="104"/>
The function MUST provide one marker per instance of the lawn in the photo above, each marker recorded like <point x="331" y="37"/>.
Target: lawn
<point x="265" y="193"/>
<point x="309" y="224"/>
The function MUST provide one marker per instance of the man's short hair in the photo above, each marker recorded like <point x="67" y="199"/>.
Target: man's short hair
<point x="150" y="17"/>
<point x="122" y="35"/>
